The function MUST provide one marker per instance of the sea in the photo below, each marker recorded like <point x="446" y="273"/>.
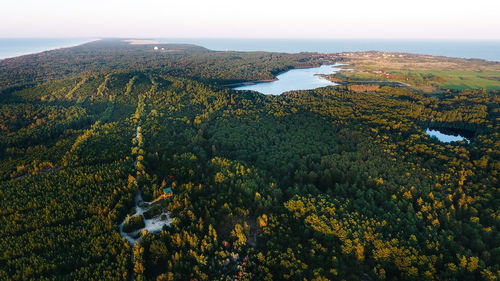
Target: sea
<point x="13" y="47"/>
<point x="481" y="49"/>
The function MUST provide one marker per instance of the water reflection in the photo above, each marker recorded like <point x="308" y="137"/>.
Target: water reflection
<point x="295" y="79"/>
<point x="448" y="135"/>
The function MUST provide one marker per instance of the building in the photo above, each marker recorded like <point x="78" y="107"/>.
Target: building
<point x="167" y="192"/>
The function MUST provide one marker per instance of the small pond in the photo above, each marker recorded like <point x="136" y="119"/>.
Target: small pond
<point x="449" y="134"/>
<point x="294" y="79"/>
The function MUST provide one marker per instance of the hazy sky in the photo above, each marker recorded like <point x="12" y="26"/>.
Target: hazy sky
<point x="434" y="19"/>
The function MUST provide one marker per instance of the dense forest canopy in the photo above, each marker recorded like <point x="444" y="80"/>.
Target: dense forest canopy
<point x="337" y="183"/>
<point x="180" y="60"/>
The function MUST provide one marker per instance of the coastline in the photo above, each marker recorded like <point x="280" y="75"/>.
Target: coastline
<point x="141" y="42"/>
<point x="249" y="83"/>
<point x="38" y="51"/>
<point x="466" y="49"/>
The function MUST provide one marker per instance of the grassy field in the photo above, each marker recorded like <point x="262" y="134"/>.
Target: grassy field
<point x="469" y="79"/>
<point x="426" y="73"/>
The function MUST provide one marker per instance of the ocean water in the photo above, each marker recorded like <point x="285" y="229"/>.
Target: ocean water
<point x="13" y="47"/>
<point x="482" y="49"/>
<point x="488" y="50"/>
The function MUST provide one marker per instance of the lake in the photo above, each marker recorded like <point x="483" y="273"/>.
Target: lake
<point x="295" y="79"/>
<point x="446" y="135"/>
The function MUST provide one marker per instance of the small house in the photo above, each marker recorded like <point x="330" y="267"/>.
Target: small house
<point x="167" y="192"/>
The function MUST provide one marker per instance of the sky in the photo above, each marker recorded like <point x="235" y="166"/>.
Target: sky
<point x="383" y="19"/>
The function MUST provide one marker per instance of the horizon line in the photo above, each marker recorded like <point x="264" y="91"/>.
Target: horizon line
<point x="250" y="38"/>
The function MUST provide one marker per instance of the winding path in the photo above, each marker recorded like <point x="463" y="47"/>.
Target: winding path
<point x="152" y="225"/>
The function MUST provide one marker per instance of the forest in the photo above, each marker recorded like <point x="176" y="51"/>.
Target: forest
<point x="337" y="183"/>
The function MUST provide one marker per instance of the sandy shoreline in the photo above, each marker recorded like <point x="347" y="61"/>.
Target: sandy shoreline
<point x="141" y="41"/>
